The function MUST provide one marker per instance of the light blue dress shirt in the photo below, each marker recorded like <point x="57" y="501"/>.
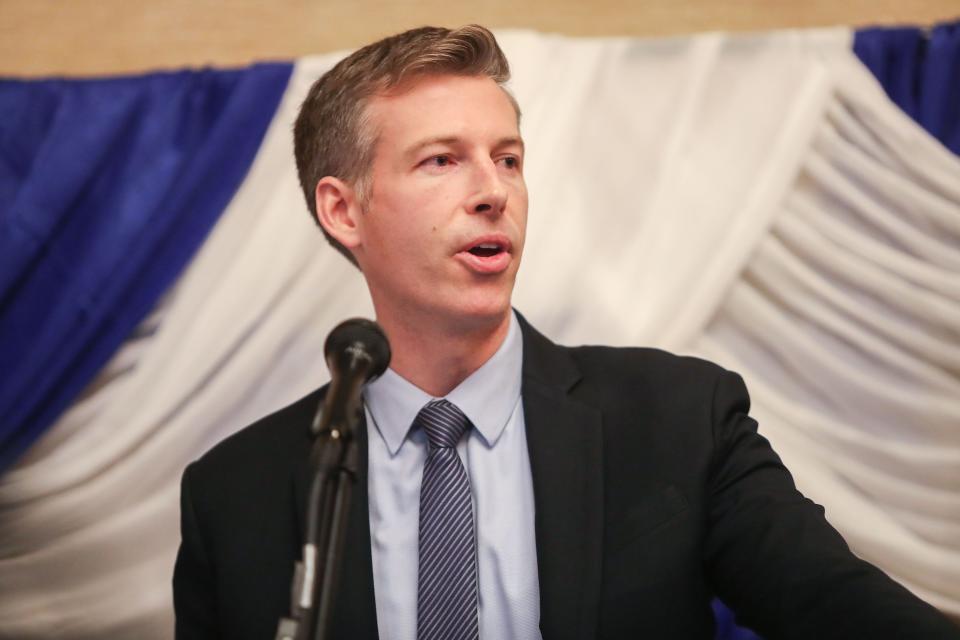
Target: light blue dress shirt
<point x="495" y="456"/>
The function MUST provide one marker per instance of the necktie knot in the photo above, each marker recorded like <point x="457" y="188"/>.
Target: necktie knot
<point x="443" y="422"/>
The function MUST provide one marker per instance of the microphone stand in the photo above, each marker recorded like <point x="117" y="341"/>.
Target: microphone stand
<point x="356" y="351"/>
<point x="336" y="466"/>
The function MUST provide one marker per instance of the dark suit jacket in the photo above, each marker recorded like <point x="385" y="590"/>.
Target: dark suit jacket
<point x="653" y="492"/>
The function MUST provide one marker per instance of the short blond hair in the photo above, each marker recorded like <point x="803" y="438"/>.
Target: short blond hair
<point x="332" y="136"/>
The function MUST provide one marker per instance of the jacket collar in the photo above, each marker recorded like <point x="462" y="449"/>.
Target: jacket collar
<point x="565" y="444"/>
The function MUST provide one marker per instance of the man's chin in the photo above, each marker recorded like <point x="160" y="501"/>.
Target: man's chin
<point x="480" y="314"/>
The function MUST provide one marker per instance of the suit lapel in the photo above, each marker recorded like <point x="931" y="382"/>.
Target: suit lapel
<point x="564" y="440"/>
<point x="355" y="614"/>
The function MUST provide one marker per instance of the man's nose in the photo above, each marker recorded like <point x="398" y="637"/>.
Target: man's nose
<point x="490" y="196"/>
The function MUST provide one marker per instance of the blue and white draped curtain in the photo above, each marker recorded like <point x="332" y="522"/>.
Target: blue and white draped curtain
<point x="787" y="204"/>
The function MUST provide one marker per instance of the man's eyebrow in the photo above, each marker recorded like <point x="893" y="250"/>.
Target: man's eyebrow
<point x="415" y="148"/>
<point x="510" y="141"/>
<point x="422" y="144"/>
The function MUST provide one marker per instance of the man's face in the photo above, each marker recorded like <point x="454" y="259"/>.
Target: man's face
<point x="443" y="231"/>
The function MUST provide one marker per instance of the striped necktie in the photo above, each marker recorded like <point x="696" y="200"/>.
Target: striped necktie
<point x="447" y="581"/>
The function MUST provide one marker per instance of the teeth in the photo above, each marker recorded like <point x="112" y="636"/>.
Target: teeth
<point x="488" y="246"/>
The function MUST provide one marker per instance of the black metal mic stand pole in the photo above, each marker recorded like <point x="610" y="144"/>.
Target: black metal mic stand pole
<point x="336" y="465"/>
<point x="356" y="351"/>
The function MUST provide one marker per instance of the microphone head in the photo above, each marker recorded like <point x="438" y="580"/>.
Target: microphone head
<point x="357" y="343"/>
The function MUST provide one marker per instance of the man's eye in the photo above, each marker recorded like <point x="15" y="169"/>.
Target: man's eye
<point x="511" y="162"/>
<point x="438" y="161"/>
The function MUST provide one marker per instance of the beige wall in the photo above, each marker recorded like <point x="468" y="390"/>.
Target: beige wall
<point x="109" y="36"/>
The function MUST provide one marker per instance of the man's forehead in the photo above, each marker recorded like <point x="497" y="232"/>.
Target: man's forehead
<point x="437" y="106"/>
<point x="427" y="83"/>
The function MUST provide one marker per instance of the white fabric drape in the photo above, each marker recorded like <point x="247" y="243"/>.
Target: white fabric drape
<point x="846" y="326"/>
<point x="755" y="199"/>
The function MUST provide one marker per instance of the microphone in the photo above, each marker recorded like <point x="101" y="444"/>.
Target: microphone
<point x="357" y="352"/>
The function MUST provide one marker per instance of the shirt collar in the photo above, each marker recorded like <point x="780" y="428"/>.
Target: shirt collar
<point x="487" y="397"/>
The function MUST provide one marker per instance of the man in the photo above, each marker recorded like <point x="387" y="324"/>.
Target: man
<point x="514" y="488"/>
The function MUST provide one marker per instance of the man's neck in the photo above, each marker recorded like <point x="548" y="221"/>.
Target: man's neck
<point x="438" y="357"/>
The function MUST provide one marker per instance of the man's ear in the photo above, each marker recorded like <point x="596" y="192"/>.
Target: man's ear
<point x="338" y="210"/>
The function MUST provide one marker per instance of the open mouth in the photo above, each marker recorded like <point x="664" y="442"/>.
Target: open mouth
<point x="489" y="254"/>
<point x="486" y="250"/>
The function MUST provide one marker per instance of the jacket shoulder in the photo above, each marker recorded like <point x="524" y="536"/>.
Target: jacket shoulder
<point x="643" y="364"/>
<point x="274" y="439"/>
<point x="668" y="389"/>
